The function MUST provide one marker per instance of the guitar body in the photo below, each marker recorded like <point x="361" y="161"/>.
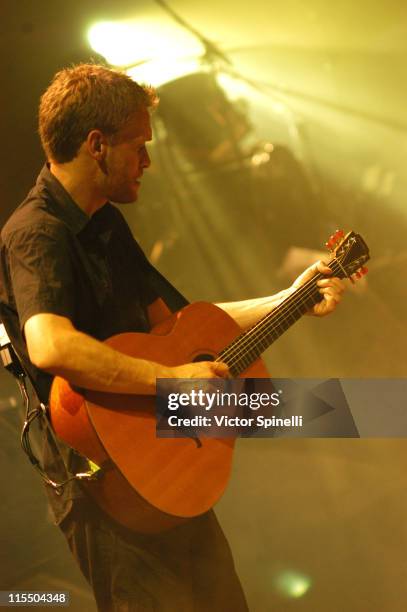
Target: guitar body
<point x="151" y="484"/>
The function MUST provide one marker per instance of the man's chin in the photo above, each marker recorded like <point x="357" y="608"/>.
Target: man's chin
<point x="128" y="199"/>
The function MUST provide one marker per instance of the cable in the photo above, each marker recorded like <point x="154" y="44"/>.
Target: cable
<point x="36" y="413"/>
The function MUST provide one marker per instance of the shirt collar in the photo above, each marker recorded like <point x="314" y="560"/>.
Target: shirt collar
<point x="69" y="211"/>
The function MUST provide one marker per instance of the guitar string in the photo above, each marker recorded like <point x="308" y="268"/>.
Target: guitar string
<point x="246" y="338"/>
<point x="292" y="298"/>
<point x="253" y="337"/>
<point x="243" y="349"/>
<point x="283" y="306"/>
<point x="247" y="349"/>
<point x="256" y="336"/>
<point x="307" y="290"/>
<point x="261" y="330"/>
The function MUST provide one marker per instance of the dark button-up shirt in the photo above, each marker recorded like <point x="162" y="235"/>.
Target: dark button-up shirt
<point x="55" y="259"/>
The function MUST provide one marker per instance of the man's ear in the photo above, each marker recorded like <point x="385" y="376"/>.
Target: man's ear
<point x="96" y="144"/>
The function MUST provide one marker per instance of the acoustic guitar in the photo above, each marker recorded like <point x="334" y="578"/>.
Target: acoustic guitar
<point x="151" y="484"/>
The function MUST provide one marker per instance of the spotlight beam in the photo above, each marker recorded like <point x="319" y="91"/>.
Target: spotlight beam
<point x="212" y="51"/>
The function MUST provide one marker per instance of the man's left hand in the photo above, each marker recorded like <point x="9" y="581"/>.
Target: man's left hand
<point x="331" y="288"/>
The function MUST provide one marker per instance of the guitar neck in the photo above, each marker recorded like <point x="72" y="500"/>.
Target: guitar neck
<point x="248" y="347"/>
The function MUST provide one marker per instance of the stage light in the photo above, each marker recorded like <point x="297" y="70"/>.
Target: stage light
<point x="158" y="72"/>
<point x="115" y="41"/>
<point x="292" y="584"/>
<point x="123" y="43"/>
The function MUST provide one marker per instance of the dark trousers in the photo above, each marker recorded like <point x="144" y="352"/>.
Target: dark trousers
<point x="187" y="569"/>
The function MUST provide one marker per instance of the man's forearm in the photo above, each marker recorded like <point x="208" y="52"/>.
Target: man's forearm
<point x="247" y="312"/>
<point x="91" y="364"/>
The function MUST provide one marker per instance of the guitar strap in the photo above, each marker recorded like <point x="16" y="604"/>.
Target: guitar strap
<point x="171" y="296"/>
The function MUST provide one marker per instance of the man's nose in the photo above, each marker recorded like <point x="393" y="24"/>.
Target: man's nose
<point x="146" y="160"/>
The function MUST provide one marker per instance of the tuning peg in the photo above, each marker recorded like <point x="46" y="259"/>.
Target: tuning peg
<point x="337" y="237"/>
<point x="334" y="239"/>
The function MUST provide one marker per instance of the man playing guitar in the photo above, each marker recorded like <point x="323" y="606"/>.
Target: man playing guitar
<point x="72" y="275"/>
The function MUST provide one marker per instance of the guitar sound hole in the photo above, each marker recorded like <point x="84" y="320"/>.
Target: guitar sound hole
<point x="203" y="357"/>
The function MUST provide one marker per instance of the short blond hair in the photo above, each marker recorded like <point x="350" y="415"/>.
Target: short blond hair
<point x="83" y="98"/>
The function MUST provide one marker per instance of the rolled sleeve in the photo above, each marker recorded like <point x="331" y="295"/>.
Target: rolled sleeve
<point x="41" y="271"/>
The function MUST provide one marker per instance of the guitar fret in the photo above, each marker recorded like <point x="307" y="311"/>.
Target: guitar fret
<point x="248" y="347"/>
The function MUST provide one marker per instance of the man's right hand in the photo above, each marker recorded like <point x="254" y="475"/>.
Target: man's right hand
<point x="199" y="369"/>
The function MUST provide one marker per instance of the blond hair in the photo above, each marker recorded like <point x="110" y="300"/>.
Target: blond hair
<point x="83" y="98"/>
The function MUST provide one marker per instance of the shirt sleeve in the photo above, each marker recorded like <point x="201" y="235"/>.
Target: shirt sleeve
<point x="41" y="271"/>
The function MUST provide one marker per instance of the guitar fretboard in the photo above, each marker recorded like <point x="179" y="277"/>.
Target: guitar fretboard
<point x="248" y="347"/>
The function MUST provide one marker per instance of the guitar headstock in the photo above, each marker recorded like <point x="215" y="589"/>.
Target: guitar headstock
<point x="350" y="253"/>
